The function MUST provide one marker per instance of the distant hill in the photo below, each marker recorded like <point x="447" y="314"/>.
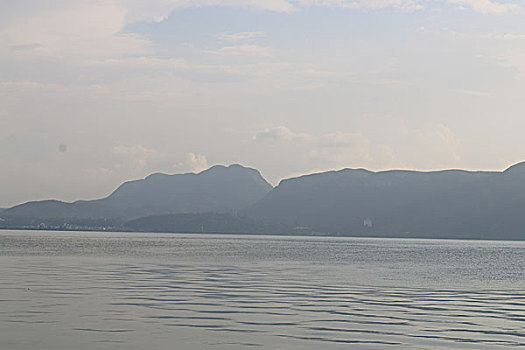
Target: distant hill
<point x="205" y="223"/>
<point x="219" y="189"/>
<point x="352" y="202"/>
<point x="444" y="204"/>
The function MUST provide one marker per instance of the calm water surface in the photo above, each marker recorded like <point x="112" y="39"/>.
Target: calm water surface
<point x="94" y="290"/>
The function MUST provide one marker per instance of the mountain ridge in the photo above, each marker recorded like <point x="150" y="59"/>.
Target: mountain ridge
<point x="219" y="188"/>
<point x="402" y="203"/>
<point x="449" y="203"/>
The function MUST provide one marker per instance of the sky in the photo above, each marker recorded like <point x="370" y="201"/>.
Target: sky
<point x="94" y="93"/>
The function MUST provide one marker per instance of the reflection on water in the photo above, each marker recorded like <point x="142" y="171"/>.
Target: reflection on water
<point x="129" y="291"/>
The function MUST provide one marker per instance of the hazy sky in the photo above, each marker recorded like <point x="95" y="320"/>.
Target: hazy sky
<point x="93" y="93"/>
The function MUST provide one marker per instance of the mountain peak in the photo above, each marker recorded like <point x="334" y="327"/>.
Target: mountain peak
<point x="219" y="167"/>
<point x="221" y="189"/>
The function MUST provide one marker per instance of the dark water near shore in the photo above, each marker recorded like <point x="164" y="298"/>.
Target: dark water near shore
<point x="79" y="290"/>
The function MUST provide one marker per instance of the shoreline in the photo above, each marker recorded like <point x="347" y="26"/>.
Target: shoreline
<point x="440" y="238"/>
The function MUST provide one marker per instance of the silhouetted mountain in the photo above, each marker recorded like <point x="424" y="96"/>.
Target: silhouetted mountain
<point x="219" y="189"/>
<point x="356" y="202"/>
<point x="205" y="223"/>
<point x="445" y="204"/>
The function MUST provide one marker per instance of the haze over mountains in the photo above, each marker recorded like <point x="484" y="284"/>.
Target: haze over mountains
<point x="219" y="189"/>
<point x="445" y="204"/>
<point x="357" y="202"/>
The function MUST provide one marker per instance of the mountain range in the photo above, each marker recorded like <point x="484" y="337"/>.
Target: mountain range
<point x="219" y="189"/>
<point x="354" y="202"/>
<point x="444" y="204"/>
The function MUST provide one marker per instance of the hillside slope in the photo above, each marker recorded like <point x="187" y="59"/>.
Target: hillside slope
<point x="445" y="204"/>
<point x="219" y="189"/>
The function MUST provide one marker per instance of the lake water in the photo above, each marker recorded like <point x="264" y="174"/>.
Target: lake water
<point x="77" y="290"/>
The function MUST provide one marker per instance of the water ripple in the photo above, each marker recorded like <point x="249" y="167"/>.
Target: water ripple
<point x="136" y="302"/>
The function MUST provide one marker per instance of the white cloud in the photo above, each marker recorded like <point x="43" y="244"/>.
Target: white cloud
<point x="302" y="152"/>
<point x="431" y="146"/>
<point x="147" y="160"/>
<point x="159" y="10"/>
<point x="273" y="134"/>
<point x="71" y="70"/>
<point x="197" y="162"/>
<point x="330" y="140"/>
<point x="405" y="5"/>
<point x="242" y="50"/>
<point x="93" y="29"/>
<point x="482" y="6"/>
<point x="78" y="30"/>
<point x="505" y="36"/>
<point x="486" y="6"/>
<point x="136" y="154"/>
<point x="242" y="36"/>
<point x="85" y="30"/>
<point x="191" y="162"/>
